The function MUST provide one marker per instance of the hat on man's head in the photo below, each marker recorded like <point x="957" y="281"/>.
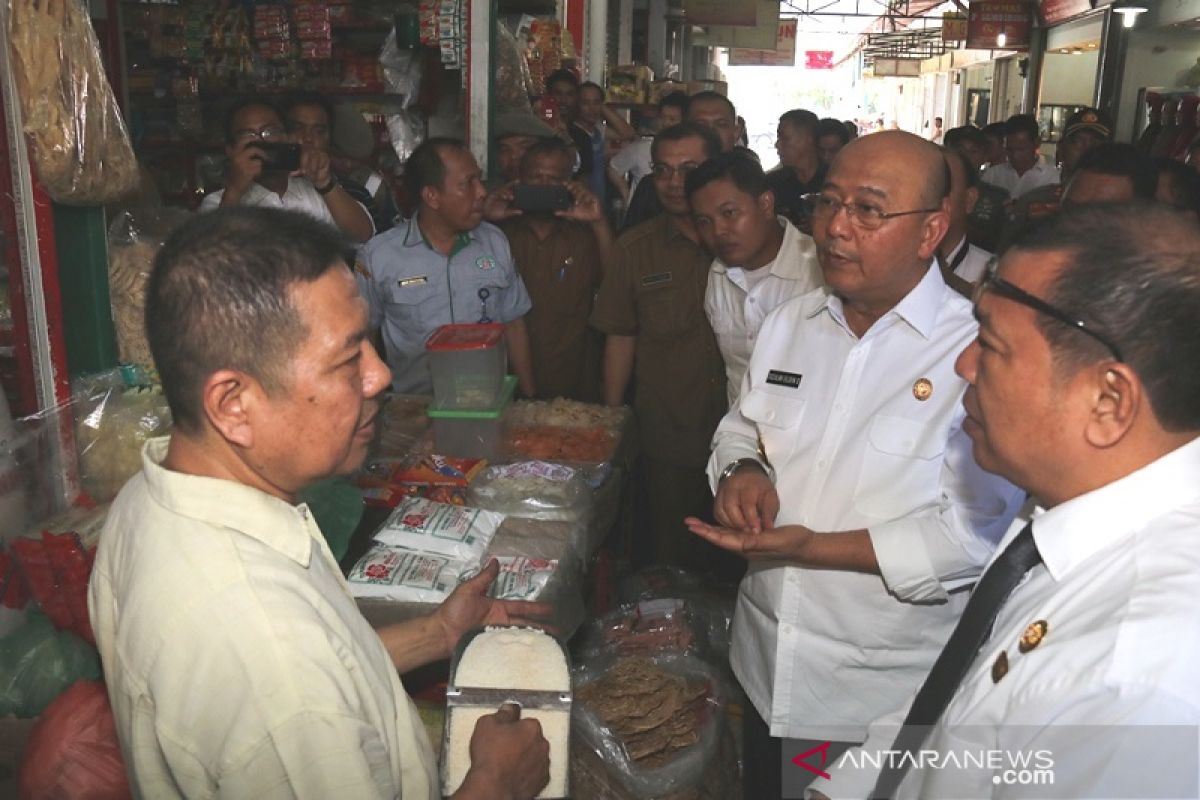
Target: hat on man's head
<point x="520" y="123"/>
<point x="1087" y="119"/>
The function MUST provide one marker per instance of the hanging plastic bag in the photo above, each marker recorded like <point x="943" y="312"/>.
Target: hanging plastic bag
<point x="37" y="663"/>
<point x="401" y="69"/>
<point x="78" y="141"/>
<point x="73" y="750"/>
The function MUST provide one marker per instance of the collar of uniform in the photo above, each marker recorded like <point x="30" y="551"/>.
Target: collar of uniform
<point x="277" y="524"/>
<point x="919" y="308"/>
<point x="1071" y="532"/>
<point x="963" y="246"/>
<point x="414" y="236"/>
<point x="786" y="263"/>
<point x="672" y="230"/>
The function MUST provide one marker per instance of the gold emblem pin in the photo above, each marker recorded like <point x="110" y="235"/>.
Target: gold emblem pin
<point x="1033" y="635"/>
<point x="923" y="389"/>
<point x="1000" y="667"/>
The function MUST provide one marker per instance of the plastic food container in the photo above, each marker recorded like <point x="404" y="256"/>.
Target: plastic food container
<point x="468" y="363"/>
<point x="469" y="433"/>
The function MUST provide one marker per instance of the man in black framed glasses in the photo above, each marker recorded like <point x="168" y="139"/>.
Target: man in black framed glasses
<point x="842" y="473"/>
<point x="1077" y="649"/>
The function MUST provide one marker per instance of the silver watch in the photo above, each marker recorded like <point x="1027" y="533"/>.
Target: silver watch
<point x="732" y="468"/>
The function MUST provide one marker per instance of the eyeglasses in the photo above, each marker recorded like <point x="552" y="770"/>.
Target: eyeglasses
<point x="992" y="283"/>
<point x="864" y="215"/>
<point x="666" y="171"/>
<point x="268" y="133"/>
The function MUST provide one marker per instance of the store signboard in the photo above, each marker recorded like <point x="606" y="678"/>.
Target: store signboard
<point x="954" y="26"/>
<point x="1056" y="11"/>
<point x="818" y="59"/>
<point x="896" y="68"/>
<point x="721" y="12"/>
<point x="784" y="54"/>
<point x="761" y="36"/>
<point x="998" y="25"/>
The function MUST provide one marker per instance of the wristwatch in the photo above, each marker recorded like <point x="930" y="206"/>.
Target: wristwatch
<point x="329" y="187"/>
<point x="734" y="466"/>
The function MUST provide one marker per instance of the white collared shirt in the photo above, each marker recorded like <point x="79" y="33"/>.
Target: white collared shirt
<point x="972" y="261"/>
<point x="1042" y="173"/>
<point x="301" y="195"/>
<point x="1118" y="592"/>
<point x="822" y="653"/>
<point x="736" y="304"/>
<point x="237" y="663"/>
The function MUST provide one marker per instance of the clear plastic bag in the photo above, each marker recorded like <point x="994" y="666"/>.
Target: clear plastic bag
<point x="401" y="69"/>
<point x="38" y="662"/>
<point x="513" y="84"/>
<point x="111" y="425"/>
<point x="651" y="728"/>
<point x="73" y="750"/>
<point x="532" y="490"/>
<point x="710" y="610"/>
<point x="78" y="141"/>
<point x="134" y="238"/>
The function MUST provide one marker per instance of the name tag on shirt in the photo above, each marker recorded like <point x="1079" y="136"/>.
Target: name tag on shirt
<point x="777" y="377"/>
<point x="656" y="279"/>
<point x="414" y="281"/>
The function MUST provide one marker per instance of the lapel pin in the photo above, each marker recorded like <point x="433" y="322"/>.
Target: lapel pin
<point x="1033" y="635"/>
<point x="923" y="389"/>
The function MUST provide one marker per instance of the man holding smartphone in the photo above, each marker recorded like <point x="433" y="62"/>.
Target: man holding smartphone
<point x="266" y="168"/>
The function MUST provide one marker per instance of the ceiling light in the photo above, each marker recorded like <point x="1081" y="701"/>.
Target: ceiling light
<point x="1001" y="39"/>
<point x="1129" y="11"/>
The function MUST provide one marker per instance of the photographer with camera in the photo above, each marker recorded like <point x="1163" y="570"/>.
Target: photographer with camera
<point x="267" y="168"/>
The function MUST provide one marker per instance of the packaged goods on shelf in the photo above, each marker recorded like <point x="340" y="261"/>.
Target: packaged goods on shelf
<point x="452" y="531"/>
<point x="533" y="489"/>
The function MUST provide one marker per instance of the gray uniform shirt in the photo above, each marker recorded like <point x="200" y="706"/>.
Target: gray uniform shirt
<point x="411" y="290"/>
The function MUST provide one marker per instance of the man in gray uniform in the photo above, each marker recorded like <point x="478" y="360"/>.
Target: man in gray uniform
<point x="445" y="265"/>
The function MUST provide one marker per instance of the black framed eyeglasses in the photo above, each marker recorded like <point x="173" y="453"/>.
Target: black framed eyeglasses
<point x="992" y="283"/>
<point x="863" y="215"/>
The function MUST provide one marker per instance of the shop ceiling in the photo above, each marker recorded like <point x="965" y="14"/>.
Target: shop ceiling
<point x="896" y="29"/>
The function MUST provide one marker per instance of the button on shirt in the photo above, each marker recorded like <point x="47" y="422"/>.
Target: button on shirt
<point x="1117" y="590"/>
<point x="237" y="662"/>
<point x="412" y="289"/>
<point x="822" y="653"/>
<point x="654" y="291"/>
<point x="1004" y="176"/>
<point x="737" y="309"/>
<point x="301" y="195"/>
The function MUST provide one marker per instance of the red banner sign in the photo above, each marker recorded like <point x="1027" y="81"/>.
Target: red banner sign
<point x="998" y="25"/>
<point x="1055" y="11"/>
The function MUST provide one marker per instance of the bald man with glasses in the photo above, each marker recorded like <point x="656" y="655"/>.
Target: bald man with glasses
<point x="842" y="473"/>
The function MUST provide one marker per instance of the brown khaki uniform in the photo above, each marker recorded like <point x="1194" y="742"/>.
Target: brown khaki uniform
<point x="561" y="274"/>
<point x="654" y="290"/>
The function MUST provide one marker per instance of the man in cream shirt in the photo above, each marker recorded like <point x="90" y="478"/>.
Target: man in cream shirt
<point x="762" y="260"/>
<point x="236" y="660"/>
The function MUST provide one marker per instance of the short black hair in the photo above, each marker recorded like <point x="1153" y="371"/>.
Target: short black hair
<point x="596" y="86"/>
<point x="995" y="130"/>
<point x="1023" y="123"/>
<point x="1133" y="274"/>
<point x="674" y="100"/>
<point x="307" y="98"/>
<point x="1184" y="183"/>
<point x="425" y="166"/>
<point x="832" y="127"/>
<point x="687" y="130"/>
<point x="219" y="297"/>
<point x="801" y="119"/>
<point x="968" y="167"/>
<point x="955" y="137"/>
<point x="711" y="95"/>
<point x="738" y="166"/>
<point x="548" y="146"/>
<point x="851" y="128"/>
<point x="243" y="103"/>
<point x="1125" y="161"/>
<point x="562" y="76"/>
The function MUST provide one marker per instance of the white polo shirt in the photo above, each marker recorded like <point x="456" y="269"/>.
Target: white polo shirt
<point x="237" y="663"/>
<point x="1042" y="173"/>
<point x="738" y="300"/>
<point x="301" y="195"/>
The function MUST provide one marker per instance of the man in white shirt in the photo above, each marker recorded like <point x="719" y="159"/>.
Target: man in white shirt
<point x="1079" y="393"/>
<point x="762" y="260"/>
<point x="633" y="160"/>
<point x="1026" y="169"/>
<point x="956" y="255"/>
<point x="877" y="511"/>
<point x="236" y="660"/>
<point x="253" y="178"/>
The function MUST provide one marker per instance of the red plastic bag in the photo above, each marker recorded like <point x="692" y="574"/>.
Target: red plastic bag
<point x="73" y="750"/>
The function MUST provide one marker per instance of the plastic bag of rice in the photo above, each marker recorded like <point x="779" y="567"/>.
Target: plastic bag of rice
<point x="457" y="532"/>
<point x="394" y="573"/>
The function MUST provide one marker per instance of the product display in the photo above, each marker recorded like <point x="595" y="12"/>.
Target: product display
<point x="395" y="573"/>
<point x="437" y="528"/>
<point x="588" y="445"/>
<point x="522" y="578"/>
<point x="532" y="489"/>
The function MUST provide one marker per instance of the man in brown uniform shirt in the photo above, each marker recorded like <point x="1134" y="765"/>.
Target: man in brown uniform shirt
<point x="561" y="258"/>
<point x="651" y="307"/>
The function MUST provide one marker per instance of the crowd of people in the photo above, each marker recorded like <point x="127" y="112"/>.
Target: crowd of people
<point x="846" y="404"/>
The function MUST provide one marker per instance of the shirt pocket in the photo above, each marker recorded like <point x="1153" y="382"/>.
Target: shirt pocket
<point x="902" y="465"/>
<point x="777" y="419"/>
<point x="410" y="307"/>
<point x="661" y="312"/>
<point x="487" y="296"/>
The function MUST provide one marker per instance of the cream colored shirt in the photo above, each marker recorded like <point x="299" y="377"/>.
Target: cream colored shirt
<point x="738" y="301"/>
<point x="237" y="662"/>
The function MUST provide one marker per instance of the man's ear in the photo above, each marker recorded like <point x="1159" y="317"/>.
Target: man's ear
<point x="766" y="202"/>
<point x="972" y="198"/>
<point x="934" y="230"/>
<point x="228" y="399"/>
<point x="431" y="197"/>
<point x="1117" y="398"/>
